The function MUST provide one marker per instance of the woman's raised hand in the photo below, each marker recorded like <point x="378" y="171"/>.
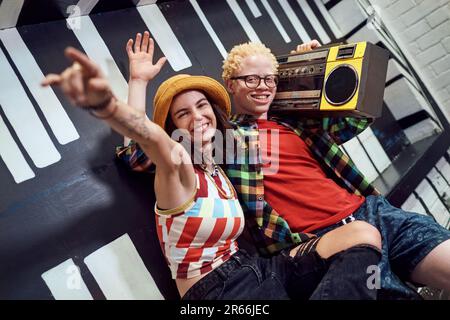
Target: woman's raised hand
<point x="83" y="82"/>
<point x="141" y="58"/>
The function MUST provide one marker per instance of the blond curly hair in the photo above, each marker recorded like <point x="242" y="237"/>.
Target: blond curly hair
<point x="234" y="59"/>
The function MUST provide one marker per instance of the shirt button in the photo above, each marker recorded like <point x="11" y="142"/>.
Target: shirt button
<point x="260" y="198"/>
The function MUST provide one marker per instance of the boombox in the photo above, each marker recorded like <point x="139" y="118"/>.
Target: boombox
<point x="336" y="80"/>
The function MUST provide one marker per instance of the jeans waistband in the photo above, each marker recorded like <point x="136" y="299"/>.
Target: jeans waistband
<point x="218" y="275"/>
<point x="322" y="231"/>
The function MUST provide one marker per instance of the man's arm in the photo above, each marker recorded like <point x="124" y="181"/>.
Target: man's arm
<point x="134" y="157"/>
<point x="342" y="129"/>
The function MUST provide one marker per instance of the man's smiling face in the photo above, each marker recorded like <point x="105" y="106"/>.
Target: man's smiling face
<point x="255" y="101"/>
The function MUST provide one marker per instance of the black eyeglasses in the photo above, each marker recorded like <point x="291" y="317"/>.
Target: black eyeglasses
<point x="252" y="81"/>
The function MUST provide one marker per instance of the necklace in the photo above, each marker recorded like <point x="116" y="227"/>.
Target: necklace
<point x="215" y="172"/>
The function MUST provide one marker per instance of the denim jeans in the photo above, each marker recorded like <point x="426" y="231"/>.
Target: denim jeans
<point x="349" y="275"/>
<point x="252" y="277"/>
<point x="406" y="239"/>
<point x="244" y="276"/>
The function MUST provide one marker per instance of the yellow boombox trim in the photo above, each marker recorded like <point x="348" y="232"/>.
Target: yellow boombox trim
<point x="357" y="69"/>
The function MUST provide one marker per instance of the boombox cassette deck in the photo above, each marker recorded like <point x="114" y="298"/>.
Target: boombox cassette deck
<point x="335" y="80"/>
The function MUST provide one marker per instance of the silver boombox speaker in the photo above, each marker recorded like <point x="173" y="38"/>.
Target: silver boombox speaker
<point x="335" y="80"/>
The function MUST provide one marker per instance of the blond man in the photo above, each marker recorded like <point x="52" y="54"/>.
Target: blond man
<point x="317" y="188"/>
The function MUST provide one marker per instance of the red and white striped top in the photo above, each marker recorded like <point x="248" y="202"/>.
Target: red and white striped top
<point x="202" y="234"/>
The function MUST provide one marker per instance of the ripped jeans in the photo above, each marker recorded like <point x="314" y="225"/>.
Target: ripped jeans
<point x="243" y="276"/>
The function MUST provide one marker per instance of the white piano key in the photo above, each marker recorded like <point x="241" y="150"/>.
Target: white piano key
<point x="425" y="105"/>
<point x="9" y="13"/>
<point x="121" y="273"/>
<point x="86" y="6"/>
<point x="324" y="38"/>
<point x="145" y="2"/>
<point x="374" y="149"/>
<point x="392" y="70"/>
<point x="329" y="20"/>
<point x="364" y="34"/>
<point x="65" y="282"/>
<point x="164" y="36"/>
<point x="438" y="182"/>
<point x="360" y="158"/>
<point x="253" y="8"/>
<point x="426" y="192"/>
<point x="275" y="20"/>
<point x="208" y="28"/>
<point x="412" y="204"/>
<point x="51" y="108"/>
<point x="294" y="20"/>
<point x="444" y="167"/>
<point x="12" y="157"/>
<point x="347" y="15"/>
<point x="440" y="213"/>
<point x="400" y="99"/>
<point x="24" y="119"/>
<point x="424" y="129"/>
<point x="341" y="147"/>
<point x="251" y="34"/>
<point x="96" y="49"/>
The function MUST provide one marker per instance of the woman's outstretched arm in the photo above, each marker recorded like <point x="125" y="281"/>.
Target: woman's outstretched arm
<point x="87" y="88"/>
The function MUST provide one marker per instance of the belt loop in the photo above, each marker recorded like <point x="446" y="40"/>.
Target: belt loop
<point x="348" y="219"/>
<point x="222" y="275"/>
<point x="223" y="271"/>
<point x="237" y="258"/>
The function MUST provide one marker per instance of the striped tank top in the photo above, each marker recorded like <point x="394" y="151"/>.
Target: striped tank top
<point x="200" y="235"/>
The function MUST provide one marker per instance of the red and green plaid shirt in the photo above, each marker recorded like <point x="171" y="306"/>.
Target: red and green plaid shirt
<point x="270" y="231"/>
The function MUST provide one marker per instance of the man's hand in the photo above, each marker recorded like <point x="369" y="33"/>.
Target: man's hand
<point x="141" y="59"/>
<point x="83" y="82"/>
<point x="305" y="47"/>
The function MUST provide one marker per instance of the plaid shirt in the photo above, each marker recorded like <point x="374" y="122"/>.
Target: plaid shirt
<point x="269" y="230"/>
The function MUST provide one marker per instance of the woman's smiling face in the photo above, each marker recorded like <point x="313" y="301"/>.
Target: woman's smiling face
<point x="191" y="111"/>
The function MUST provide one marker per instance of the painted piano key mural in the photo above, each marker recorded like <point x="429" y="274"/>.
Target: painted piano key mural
<point x="71" y="217"/>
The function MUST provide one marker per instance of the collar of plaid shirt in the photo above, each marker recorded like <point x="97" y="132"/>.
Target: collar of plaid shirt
<point x="270" y="231"/>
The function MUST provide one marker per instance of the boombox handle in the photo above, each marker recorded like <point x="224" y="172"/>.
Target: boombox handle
<point x="324" y="47"/>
